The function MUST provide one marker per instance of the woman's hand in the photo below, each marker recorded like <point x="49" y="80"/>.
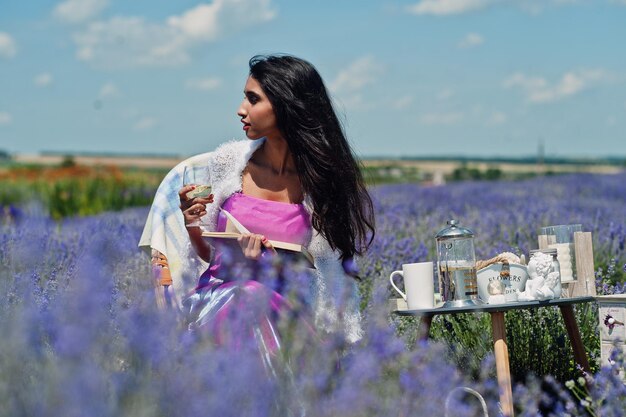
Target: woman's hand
<point x="193" y="208"/>
<point x="253" y="245"/>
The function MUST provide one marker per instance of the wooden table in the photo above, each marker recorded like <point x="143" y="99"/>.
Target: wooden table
<point x="499" y="334"/>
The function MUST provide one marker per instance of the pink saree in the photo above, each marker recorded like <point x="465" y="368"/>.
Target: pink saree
<point x="233" y="309"/>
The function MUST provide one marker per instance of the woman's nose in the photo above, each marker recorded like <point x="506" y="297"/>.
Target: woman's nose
<point x="242" y="112"/>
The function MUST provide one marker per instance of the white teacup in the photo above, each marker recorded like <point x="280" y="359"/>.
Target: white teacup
<point x="418" y="283"/>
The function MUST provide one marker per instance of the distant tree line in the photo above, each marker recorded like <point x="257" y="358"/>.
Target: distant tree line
<point x="464" y="173"/>
<point x="609" y="160"/>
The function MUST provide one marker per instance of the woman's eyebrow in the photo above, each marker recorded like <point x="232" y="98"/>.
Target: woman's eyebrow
<point x="251" y="94"/>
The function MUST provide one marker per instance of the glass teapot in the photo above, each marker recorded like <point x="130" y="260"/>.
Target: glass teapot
<point x="456" y="266"/>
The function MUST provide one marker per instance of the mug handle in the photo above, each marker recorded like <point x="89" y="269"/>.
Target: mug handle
<point x="393" y="284"/>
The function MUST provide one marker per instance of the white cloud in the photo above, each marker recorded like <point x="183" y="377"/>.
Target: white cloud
<point x="203" y="84"/>
<point x="123" y="42"/>
<point x="525" y="82"/>
<point x="496" y="118"/>
<point x="43" y="80"/>
<point x="198" y="23"/>
<point x="8" y="49"/>
<point x="445" y="94"/>
<point x="5" y="118"/>
<point x="349" y="83"/>
<point x="448" y="7"/>
<point x="538" y="6"/>
<point x="402" y="102"/>
<point x="145" y="123"/>
<point x="453" y="7"/>
<point x="448" y="118"/>
<point x="109" y="90"/>
<point x="471" y="40"/>
<point x="539" y="90"/>
<point x="358" y="74"/>
<point x="130" y="42"/>
<point x="76" y="11"/>
<point x="354" y="101"/>
<point x="208" y="21"/>
<point x="611" y="121"/>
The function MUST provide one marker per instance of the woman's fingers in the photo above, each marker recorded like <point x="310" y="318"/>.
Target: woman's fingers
<point x="251" y="245"/>
<point x="193" y="208"/>
<point x="267" y="245"/>
<point x="193" y="213"/>
<point x="186" y="202"/>
<point x="197" y="209"/>
<point x="182" y="193"/>
<point x="254" y="246"/>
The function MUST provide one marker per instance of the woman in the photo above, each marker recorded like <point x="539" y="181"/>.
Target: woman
<point x="295" y="179"/>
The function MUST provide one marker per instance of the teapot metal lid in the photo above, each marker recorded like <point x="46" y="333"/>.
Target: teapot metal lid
<point x="547" y="251"/>
<point x="454" y="231"/>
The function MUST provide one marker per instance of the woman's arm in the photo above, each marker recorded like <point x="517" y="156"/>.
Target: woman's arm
<point x="199" y="244"/>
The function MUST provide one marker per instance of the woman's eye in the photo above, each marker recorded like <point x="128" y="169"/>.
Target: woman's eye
<point x="252" y="98"/>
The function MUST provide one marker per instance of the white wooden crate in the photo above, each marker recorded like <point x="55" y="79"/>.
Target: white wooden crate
<point x="585" y="282"/>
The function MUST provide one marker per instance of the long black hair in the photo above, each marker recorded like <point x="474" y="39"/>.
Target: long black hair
<point x="328" y="170"/>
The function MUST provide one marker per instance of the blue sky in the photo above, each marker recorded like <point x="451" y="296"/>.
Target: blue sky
<point x="409" y="78"/>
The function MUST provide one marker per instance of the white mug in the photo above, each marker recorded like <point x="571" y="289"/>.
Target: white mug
<point x="418" y="283"/>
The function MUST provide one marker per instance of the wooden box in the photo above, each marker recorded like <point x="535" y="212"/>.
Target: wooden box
<point x="585" y="280"/>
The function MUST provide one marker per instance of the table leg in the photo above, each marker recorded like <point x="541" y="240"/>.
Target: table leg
<point x="580" y="355"/>
<point x="502" y="362"/>
<point x="425" y="328"/>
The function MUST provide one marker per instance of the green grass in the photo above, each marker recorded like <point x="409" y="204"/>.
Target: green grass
<point x="78" y="190"/>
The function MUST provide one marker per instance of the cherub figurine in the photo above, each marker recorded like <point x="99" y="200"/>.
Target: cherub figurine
<point x="542" y="283"/>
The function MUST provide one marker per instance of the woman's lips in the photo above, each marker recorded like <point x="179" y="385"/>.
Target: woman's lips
<point x="246" y="126"/>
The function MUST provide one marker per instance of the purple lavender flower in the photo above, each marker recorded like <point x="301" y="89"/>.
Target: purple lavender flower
<point x="81" y="329"/>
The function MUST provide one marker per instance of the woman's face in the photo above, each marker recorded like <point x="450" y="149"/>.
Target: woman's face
<point x="256" y="112"/>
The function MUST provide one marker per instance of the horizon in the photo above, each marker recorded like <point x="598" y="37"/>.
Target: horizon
<point x="488" y="78"/>
<point x="523" y="159"/>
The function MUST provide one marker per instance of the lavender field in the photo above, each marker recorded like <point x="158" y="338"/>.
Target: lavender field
<point x="81" y="334"/>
